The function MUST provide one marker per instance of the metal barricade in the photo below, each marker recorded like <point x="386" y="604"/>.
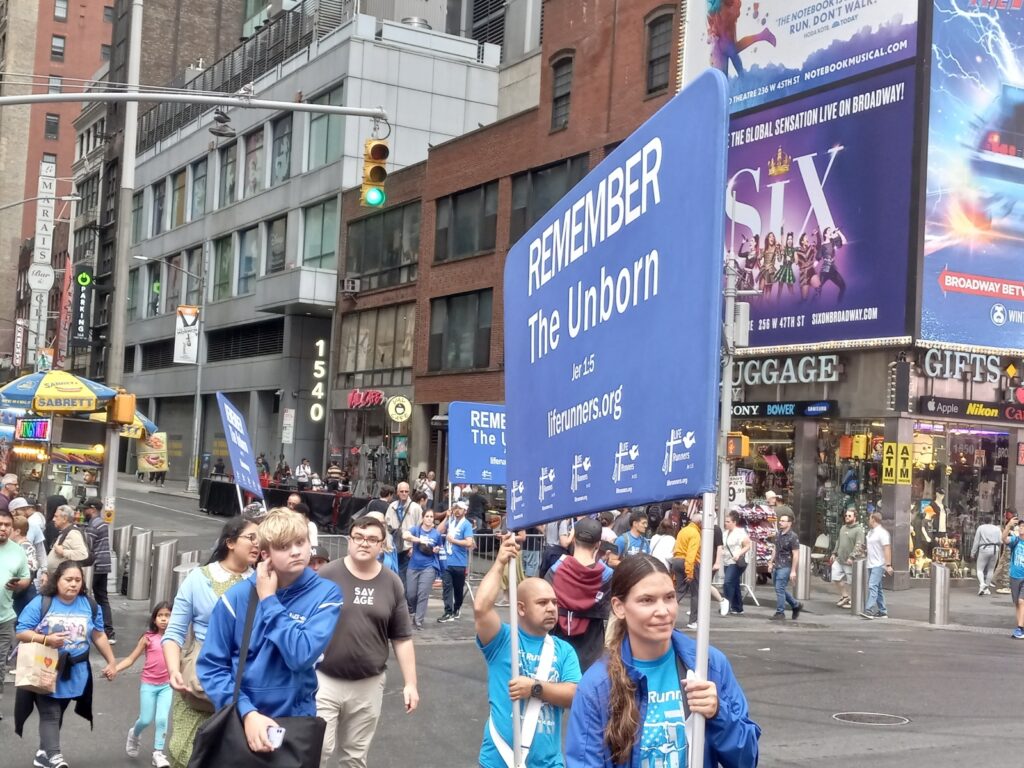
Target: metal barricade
<point x="164" y="556"/>
<point x="336" y="546"/>
<point x="803" y="574"/>
<point x="859" y="587"/>
<point x="938" y="597"/>
<point x="139" y="575"/>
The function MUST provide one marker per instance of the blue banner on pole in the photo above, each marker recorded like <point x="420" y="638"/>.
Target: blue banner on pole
<point x="613" y="318"/>
<point x="476" y="443"/>
<point x="243" y="462"/>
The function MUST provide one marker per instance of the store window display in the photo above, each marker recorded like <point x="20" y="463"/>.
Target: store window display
<point x="849" y="473"/>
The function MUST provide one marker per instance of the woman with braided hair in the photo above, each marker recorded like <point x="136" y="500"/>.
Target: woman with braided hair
<point x="633" y="707"/>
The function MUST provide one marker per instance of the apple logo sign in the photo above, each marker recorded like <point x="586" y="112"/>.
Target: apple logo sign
<point x="930" y="405"/>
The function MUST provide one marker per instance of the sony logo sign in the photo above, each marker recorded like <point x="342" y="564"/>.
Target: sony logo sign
<point x="947" y="364"/>
<point x="810" y="369"/>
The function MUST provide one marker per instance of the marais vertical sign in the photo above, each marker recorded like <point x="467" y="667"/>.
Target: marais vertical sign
<point x="476" y="443"/>
<point x="972" y="289"/>
<point x="771" y="49"/>
<point x="812" y="190"/>
<point x="41" y="273"/>
<point x="626" y="266"/>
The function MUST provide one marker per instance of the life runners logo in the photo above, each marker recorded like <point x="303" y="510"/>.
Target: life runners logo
<point x="547" y="482"/>
<point x="516" y="496"/>
<point x="580" y="471"/>
<point x="676" y="439"/>
<point x="625" y="460"/>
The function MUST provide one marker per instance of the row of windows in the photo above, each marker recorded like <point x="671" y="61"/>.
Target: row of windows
<point x="242" y="170"/>
<point x="58" y="49"/>
<point x="60" y="11"/>
<point x="234" y="343"/>
<point x="658" y="60"/>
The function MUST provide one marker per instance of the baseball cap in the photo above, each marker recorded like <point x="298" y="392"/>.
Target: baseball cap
<point x="320" y="553"/>
<point x="18" y="503"/>
<point x="588" y="531"/>
<point x="769" y="495"/>
<point x="91" y="504"/>
<point x="462" y="504"/>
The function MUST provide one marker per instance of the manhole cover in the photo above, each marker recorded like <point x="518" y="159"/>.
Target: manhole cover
<point x="870" y="718"/>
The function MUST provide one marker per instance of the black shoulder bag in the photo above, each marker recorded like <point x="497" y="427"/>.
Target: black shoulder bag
<point x="221" y="739"/>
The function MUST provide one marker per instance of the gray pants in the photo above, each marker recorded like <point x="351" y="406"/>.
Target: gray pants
<point x="6" y="643"/>
<point x="51" y="714"/>
<point x="987" y="557"/>
<point x="417" y="591"/>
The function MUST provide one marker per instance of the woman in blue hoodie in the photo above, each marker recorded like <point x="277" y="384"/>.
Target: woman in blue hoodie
<point x="294" y="622"/>
<point x="630" y="709"/>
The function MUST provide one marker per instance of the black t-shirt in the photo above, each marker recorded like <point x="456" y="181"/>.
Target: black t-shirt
<point x="374" y="612"/>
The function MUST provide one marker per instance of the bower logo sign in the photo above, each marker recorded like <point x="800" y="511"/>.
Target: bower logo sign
<point x="629" y="261"/>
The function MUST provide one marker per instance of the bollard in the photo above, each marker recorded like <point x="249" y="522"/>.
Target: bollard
<point x="803" y="574"/>
<point x="122" y="542"/>
<point x="859" y="587"/>
<point x="114" y="577"/>
<point x="139" y="573"/>
<point x="164" y="556"/>
<point x="187" y="562"/>
<point x="938" y="597"/>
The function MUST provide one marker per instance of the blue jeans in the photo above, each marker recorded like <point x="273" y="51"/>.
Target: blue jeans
<point x="875" y="596"/>
<point x="780" y="578"/>
<point x="154" y="704"/>
<point x="731" y="588"/>
<point x="531" y="562"/>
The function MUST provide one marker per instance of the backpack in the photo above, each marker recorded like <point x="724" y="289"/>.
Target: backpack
<point x="47" y="601"/>
<point x="90" y="559"/>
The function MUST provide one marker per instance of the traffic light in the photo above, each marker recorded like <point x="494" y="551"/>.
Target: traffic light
<point x="121" y="409"/>
<point x="375" y="157"/>
<point x="737" y="446"/>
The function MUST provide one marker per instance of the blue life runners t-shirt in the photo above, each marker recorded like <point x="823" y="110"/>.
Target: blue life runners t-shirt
<point x="13" y="565"/>
<point x="546" y="751"/>
<point x="458" y="556"/>
<point x="1016" y="556"/>
<point x="76" y="619"/>
<point x="663" y="741"/>
<point x="628" y="544"/>
<point x="421" y="561"/>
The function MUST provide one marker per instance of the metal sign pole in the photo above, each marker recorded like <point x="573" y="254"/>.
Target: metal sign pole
<point x="513" y="621"/>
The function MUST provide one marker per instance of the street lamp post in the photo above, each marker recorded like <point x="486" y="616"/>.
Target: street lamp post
<point x="62" y="198"/>
<point x="197" y="404"/>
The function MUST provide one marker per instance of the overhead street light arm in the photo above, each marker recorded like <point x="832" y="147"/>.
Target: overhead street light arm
<point x="184" y="271"/>
<point x="242" y="102"/>
<point x="64" y="198"/>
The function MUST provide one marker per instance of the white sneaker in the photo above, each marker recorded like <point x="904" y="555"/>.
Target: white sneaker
<point x="131" y="745"/>
<point x="160" y="761"/>
<point x="58" y="761"/>
<point x="723" y="607"/>
<point x="692" y="625"/>
<point x="41" y="760"/>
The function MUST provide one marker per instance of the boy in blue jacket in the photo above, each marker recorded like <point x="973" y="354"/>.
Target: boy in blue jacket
<point x="294" y="622"/>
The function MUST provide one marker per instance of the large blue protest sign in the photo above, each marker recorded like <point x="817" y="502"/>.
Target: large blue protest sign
<point x="243" y="462"/>
<point x="476" y="443"/>
<point x="613" y="313"/>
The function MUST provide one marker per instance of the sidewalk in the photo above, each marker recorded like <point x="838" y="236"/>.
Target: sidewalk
<point x="128" y="482"/>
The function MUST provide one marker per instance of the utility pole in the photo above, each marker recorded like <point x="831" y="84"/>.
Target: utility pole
<point x="114" y="366"/>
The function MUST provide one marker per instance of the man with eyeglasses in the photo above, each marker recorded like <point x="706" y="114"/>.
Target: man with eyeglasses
<point x="9" y="491"/>
<point x="403" y="515"/>
<point x="351" y="675"/>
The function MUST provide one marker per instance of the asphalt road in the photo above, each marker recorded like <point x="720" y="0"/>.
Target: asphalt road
<point x="960" y="690"/>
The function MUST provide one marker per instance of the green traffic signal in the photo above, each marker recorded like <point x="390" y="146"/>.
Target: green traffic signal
<point x="375" y="197"/>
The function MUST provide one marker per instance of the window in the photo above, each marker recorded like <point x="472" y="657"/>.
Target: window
<point x="49" y="157"/>
<point x="248" y="259"/>
<point x="198" y="189"/>
<point x="254" y="162"/>
<point x="460" y="332"/>
<point x="157" y="355"/>
<point x="277" y="230"/>
<point x="659" y="50"/>
<point x="60" y="10"/>
<point x="223" y="266"/>
<point x="536" y="191"/>
<point x="383" y="249"/>
<point x="111" y="191"/>
<point x="320" y="234"/>
<point x="376" y="347"/>
<point x="57" y="48"/>
<point x="105" y="52"/>
<point x="561" y="90"/>
<point x="52" y="130"/>
<point x="325" y="132"/>
<point x="133" y="295"/>
<point x="153" y="289"/>
<point x="227" y="174"/>
<point x="108" y="13"/>
<point x="194" y="264"/>
<point x="241" y="341"/>
<point x="159" y="203"/>
<point x="53" y="84"/>
<point x="281" y="167"/>
<point x="178" y="198"/>
<point x="172" y="278"/>
<point x="89" y="191"/>
<point x="466" y="222"/>
<point x="137" y="220"/>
